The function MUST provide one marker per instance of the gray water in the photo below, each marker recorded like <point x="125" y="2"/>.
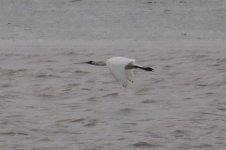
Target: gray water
<point x="48" y="103"/>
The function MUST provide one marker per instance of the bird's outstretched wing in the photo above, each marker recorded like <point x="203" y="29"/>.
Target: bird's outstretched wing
<point x="117" y="68"/>
<point x="130" y="75"/>
<point x="119" y="73"/>
<point x="129" y="70"/>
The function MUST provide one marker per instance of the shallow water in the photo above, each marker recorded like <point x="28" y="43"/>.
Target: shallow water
<point x="49" y="103"/>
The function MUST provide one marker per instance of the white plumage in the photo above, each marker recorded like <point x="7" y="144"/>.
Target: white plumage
<point x="121" y="68"/>
<point x="117" y="66"/>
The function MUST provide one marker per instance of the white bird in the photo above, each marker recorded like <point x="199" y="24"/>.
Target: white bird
<point x="121" y="68"/>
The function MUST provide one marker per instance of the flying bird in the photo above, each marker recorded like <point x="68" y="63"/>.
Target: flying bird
<point x="121" y="68"/>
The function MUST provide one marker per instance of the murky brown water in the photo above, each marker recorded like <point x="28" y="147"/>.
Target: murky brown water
<point x="49" y="103"/>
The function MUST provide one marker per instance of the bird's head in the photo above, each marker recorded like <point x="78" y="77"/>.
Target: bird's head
<point x="86" y="62"/>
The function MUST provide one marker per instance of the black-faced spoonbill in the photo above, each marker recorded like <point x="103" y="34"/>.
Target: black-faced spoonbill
<point x="121" y="68"/>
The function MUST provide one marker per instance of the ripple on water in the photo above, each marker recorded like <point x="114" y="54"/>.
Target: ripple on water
<point x="69" y="87"/>
<point x="143" y="144"/>
<point x="90" y="122"/>
<point x="127" y="110"/>
<point x="86" y="89"/>
<point x="111" y="94"/>
<point x="13" y="72"/>
<point x="222" y="108"/>
<point x="81" y="72"/>
<point x="181" y="133"/>
<point x="148" y="101"/>
<point x="86" y="122"/>
<point x="12" y="133"/>
<point x="70" y="120"/>
<point x="202" y="146"/>
<point x="142" y="91"/>
<point x="92" y="99"/>
<point x="46" y="75"/>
